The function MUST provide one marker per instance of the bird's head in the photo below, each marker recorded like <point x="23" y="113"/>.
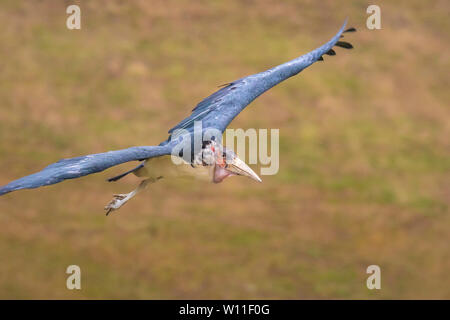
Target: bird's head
<point x="228" y="164"/>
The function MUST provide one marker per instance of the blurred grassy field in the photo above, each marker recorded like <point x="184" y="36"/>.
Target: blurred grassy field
<point x="364" y="160"/>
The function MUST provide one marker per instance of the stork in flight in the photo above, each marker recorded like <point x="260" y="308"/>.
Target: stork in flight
<point x="212" y="160"/>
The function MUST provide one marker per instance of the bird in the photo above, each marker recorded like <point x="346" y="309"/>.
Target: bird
<point x="210" y="160"/>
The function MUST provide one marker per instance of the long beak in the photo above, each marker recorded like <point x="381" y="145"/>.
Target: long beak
<point x="239" y="167"/>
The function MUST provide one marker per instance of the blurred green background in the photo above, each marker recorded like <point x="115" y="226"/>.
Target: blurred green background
<point x="364" y="150"/>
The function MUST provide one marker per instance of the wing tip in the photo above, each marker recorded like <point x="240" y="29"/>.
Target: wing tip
<point x="7" y="189"/>
<point x="339" y="43"/>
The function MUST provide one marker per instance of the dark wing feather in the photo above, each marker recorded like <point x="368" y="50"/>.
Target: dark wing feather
<point x="220" y="108"/>
<point x="205" y="106"/>
<point x="81" y="166"/>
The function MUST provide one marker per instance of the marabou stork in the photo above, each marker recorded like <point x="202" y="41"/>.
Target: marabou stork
<point x="211" y="160"/>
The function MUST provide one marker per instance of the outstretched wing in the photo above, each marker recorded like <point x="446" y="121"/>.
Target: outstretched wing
<point x="216" y="111"/>
<point x="81" y="166"/>
<point x="219" y="109"/>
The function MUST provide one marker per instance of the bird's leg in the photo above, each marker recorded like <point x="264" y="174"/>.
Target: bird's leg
<point x="120" y="199"/>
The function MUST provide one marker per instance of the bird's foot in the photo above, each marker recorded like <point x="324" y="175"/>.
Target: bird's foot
<point x="118" y="201"/>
